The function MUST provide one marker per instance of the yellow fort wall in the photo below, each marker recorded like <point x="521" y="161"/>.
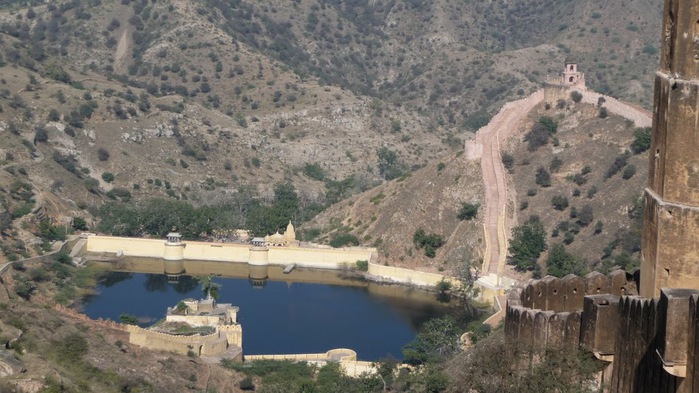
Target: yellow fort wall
<point x="323" y="258"/>
<point x="407" y="276"/>
<point x="212" y="344"/>
<point x="153" y="248"/>
<point x="319" y="258"/>
<point x="225" y="252"/>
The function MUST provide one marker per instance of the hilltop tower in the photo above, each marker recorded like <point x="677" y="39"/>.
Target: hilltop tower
<point x="670" y="256"/>
<point x="571" y="79"/>
<point x="571" y="76"/>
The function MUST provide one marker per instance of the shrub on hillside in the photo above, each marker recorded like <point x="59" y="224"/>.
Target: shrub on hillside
<point x="314" y="171"/>
<point x="102" y="154"/>
<point x="641" y="141"/>
<point x="543" y="178"/>
<point x="108" y="177"/>
<point x="508" y="161"/>
<point x="468" y="211"/>
<point x="344" y="239"/>
<point x="629" y="171"/>
<point x="586" y="215"/>
<point x="619" y="163"/>
<point x="559" y="202"/>
<point x="536" y="137"/>
<point x="576" y="96"/>
<point x="429" y="241"/>
<point x="527" y="243"/>
<point x="555" y="164"/>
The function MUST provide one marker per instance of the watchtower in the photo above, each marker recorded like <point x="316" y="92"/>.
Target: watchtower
<point x="571" y="76"/>
<point x="670" y="254"/>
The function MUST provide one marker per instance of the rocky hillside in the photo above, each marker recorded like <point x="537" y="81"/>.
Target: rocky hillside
<point x="430" y="199"/>
<point x="588" y="198"/>
<point x="207" y="101"/>
<point x="597" y="171"/>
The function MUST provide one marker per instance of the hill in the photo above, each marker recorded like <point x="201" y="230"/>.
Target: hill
<point x="589" y="201"/>
<point x="219" y="100"/>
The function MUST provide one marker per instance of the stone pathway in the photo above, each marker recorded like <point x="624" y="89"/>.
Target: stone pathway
<point x="488" y="140"/>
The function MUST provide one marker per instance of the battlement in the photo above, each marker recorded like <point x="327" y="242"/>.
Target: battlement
<point x="651" y="343"/>
<point x="567" y="294"/>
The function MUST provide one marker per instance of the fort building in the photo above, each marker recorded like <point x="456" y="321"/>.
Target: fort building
<point x="570" y="79"/>
<point x="200" y="327"/>
<point x="644" y="326"/>
<point x="670" y="256"/>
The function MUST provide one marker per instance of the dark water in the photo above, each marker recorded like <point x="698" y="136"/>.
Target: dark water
<point x="282" y="317"/>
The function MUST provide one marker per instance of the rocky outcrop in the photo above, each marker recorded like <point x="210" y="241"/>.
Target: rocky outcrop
<point x="9" y="365"/>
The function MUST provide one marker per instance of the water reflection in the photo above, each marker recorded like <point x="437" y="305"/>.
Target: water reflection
<point x="300" y="312"/>
<point x="113" y="278"/>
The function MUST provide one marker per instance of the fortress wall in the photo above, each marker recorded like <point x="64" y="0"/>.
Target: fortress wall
<point x="152" y="248"/>
<point x="195" y="320"/>
<point x="566" y="294"/>
<point x="691" y="382"/>
<point x="542" y="328"/>
<point x="234" y="334"/>
<point x="223" y="252"/>
<point x="339" y="354"/>
<point x="554" y="92"/>
<point x="639" y="116"/>
<point x="650" y="345"/>
<point x="323" y="258"/>
<point x="407" y="276"/>
<point x="212" y="344"/>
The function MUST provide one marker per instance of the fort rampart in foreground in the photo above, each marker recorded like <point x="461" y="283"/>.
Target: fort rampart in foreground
<point x="648" y="345"/>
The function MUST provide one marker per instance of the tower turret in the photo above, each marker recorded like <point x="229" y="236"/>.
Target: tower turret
<point x="670" y="255"/>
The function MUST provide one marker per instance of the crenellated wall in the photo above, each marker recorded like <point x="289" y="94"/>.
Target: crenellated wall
<point x="213" y="344"/>
<point x="649" y="345"/>
<point x="567" y="293"/>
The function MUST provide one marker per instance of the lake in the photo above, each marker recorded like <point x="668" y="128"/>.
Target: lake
<point x="284" y="313"/>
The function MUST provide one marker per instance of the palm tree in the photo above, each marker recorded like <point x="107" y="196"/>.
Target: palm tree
<point x="209" y="287"/>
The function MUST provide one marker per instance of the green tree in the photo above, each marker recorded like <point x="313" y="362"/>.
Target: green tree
<point x="527" y="243"/>
<point x="128" y="319"/>
<point x="430" y="242"/>
<point x="389" y="165"/>
<point x="468" y="211"/>
<point x="560" y="263"/>
<point x="437" y="340"/>
<point x="314" y="171"/>
<point x="543" y="178"/>
<point x="79" y="224"/>
<point x="641" y="141"/>
<point x="108" y="177"/>
<point x="209" y="287"/>
<point x="576" y="96"/>
<point x="344" y="239"/>
<point x="559" y="202"/>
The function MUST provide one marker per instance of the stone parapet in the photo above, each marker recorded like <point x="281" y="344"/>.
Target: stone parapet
<point x="600" y="318"/>
<point x="566" y="294"/>
<point x="650" y="345"/>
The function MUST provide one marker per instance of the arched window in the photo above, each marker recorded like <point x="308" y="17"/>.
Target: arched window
<point x="572" y="79"/>
<point x="571" y="67"/>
